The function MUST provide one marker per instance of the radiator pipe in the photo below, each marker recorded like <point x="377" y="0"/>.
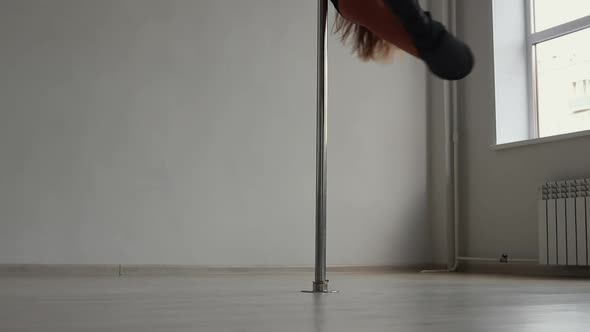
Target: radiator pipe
<point x="455" y="138"/>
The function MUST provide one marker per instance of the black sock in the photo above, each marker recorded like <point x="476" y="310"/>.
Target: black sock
<point x="424" y="31"/>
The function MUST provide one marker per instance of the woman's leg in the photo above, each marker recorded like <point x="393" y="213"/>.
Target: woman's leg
<point x="445" y="55"/>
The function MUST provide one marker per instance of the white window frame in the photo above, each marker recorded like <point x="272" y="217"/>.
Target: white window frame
<point x="533" y="39"/>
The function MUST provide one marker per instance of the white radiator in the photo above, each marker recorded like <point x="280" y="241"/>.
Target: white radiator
<point x="564" y="233"/>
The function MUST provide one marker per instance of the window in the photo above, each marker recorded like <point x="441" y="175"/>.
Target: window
<point x="558" y="42"/>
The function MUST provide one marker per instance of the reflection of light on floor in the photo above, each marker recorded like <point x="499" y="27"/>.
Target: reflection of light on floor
<point x="554" y="318"/>
<point x="319" y="314"/>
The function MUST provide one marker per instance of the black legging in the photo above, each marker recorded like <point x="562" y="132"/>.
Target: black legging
<point x="445" y="55"/>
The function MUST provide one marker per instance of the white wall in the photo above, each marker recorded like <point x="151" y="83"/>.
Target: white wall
<point x="498" y="188"/>
<point x="183" y="132"/>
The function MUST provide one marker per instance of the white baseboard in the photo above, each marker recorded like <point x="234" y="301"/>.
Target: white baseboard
<point x="527" y="270"/>
<point x="35" y="270"/>
<point x="112" y="270"/>
<point x="58" y="270"/>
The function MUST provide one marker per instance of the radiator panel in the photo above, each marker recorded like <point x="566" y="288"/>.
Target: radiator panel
<point x="543" y="249"/>
<point x="581" y="231"/>
<point x="564" y="234"/>
<point x="552" y="231"/>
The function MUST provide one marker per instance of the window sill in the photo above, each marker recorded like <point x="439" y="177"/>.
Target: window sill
<point x="535" y="141"/>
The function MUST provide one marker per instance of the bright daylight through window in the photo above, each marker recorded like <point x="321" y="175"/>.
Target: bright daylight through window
<point x="560" y="42"/>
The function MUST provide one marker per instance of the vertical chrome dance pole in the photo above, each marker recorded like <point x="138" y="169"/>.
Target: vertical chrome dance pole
<point x="320" y="285"/>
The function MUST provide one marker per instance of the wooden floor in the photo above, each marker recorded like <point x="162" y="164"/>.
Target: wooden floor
<point x="272" y="302"/>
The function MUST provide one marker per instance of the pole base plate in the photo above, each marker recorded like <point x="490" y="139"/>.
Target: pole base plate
<point x="320" y="288"/>
<point x="320" y="292"/>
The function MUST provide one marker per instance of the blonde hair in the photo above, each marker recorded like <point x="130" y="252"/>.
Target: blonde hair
<point x="365" y="44"/>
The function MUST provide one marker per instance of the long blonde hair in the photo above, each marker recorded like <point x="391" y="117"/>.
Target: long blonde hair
<point x="365" y="44"/>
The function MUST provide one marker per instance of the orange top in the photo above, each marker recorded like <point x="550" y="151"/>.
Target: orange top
<point x="375" y="16"/>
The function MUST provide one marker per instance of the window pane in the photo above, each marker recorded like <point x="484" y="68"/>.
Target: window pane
<point x="563" y="84"/>
<point x="550" y="13"/>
